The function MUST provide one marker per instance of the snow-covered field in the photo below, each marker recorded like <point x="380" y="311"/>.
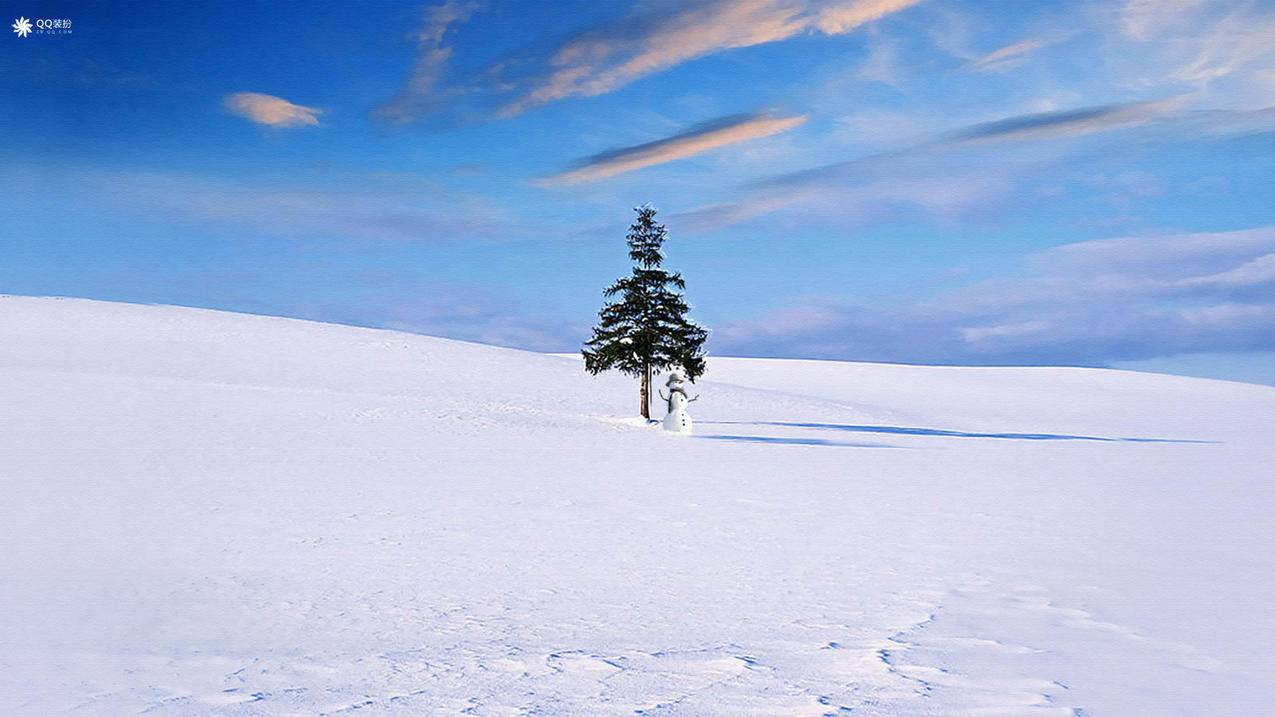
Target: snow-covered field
<point x="211" y="513"/>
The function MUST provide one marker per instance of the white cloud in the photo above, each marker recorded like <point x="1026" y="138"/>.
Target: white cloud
<point x="270" y="110"/>
<point x="1087" y="303"/>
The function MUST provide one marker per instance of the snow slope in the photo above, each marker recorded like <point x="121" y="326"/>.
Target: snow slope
<point x="209" y="513"/>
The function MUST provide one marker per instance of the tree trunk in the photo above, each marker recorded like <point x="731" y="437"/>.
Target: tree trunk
<point x="646" y="392"/>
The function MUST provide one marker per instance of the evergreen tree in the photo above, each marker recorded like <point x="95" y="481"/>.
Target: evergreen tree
<point x="643" y="328"/>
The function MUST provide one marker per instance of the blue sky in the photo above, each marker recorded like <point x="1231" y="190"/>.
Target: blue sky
<point x="1080" y="183"/>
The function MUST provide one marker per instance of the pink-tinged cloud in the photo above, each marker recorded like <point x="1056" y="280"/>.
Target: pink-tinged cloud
<point x="710" y="136"/>
<point x="843" y="17"/>
<point x="1006" y="57"/>
<point x="270" y="110"/>
<point x="611" y="57"/>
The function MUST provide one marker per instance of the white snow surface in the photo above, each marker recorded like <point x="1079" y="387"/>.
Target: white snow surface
<point x="208" y="513"/>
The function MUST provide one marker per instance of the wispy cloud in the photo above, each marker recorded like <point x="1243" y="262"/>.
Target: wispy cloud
<point x="1007" y="57"/>
<point x="466" y="313"/>
<point x="701" y="138"/>
<point x="345" y="207"/>
<point x="609" y="57"/>
<point x="887" y="176"/>
<point x="1042" y="125"/>
<point x="422" y="92"/>
<point x="1233" y="43"/>
<point x="1146" y="19"/>
<point x="873" y="192"/>
<point x="1067" y="123"/>
<point x="1204" y="43"/>
<point x="270" y="110"/>
<point x="955" y="35"/>
<point x="881" y="64"/>
<point x="1086" y="303"/>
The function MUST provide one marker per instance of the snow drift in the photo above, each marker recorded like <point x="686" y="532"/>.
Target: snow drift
<point x="210" y="513"/>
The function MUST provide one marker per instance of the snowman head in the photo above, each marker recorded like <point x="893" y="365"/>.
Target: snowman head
<point x="675" y="378"/>
<point x="677" y="401"/>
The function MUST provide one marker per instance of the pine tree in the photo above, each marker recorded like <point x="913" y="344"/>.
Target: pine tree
<point x="646" y="329"/>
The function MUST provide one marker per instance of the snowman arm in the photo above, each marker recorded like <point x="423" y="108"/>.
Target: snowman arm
<point x="663" y="396"/>
<point x="693" y="399"/>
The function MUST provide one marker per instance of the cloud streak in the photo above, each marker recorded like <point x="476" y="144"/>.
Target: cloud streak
<point x="701" y="138"/>
<point x="1044" y="125"/>
<point x="1006" y="57"/>
<point x="346" y="207"/>
<point x="270" y="110"/>
<point x="609" y="57"/>
<point x="1066" y="123"/>
<point x="887" y="176"/>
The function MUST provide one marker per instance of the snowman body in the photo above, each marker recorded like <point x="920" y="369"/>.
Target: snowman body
<point x="677" y="420"/>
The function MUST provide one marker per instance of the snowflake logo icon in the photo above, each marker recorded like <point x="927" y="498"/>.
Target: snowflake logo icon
<point x="22" y="26"/>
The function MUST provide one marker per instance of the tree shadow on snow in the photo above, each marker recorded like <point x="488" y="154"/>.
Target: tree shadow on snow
<point x="910" y="431"/>
<point x="796" y="441"/>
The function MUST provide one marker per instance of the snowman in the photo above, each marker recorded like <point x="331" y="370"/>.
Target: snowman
<point x="677" y="420"/>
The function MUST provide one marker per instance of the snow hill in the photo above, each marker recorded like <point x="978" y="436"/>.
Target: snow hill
<point x="207" y="513"/>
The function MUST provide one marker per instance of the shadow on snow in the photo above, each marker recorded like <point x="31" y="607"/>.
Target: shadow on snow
<point x="911" y="431"/>
<point x="796" y="441"/>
